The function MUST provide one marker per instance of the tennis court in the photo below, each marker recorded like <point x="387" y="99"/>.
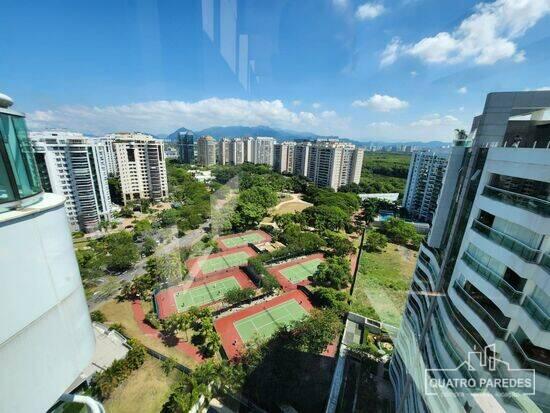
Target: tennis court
<point x="243" y="239"/>
<point x="222" y="262"/>
<point x="301" y="271"/>
<point x="204" y="294"/>
<point x="266" y="322"/>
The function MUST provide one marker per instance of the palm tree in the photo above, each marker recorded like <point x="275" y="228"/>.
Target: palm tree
<point x="461" y="134"/>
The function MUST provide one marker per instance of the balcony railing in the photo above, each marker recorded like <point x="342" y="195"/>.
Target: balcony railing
<point x="493" y="277"/>
<point x="536" y="312"/>
<point x="482" y="313"/>
<point x="511" y="244"/>
<point x="545" y="261"/>
<point x="527" y="362"/>
<point x="530" y="203"/>
<point x="431" y="269"/>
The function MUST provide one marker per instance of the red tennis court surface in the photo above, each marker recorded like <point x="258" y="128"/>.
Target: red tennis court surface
<point x="194" y="264"/>
<point x="225" y="326"/>
<point x="165" y="299"/>
<point x="287" y="285"/>
<point x="242" y="239"/>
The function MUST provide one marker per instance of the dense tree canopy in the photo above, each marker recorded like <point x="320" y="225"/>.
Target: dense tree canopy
<point x="333" y="273"/>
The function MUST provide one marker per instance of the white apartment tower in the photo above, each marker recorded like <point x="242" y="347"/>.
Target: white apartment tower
<point x="424" y="182"/>
<point x="224" y="151"/>
<point x="46" y="339"/>
<point x="248" y="145"/>
<point x="112" y="167"/>
<point x="333" y="164"/>
<point x="75" y="167"/>
<point x="141" y="165"/>
<point x="236" y="151"/>
<point x="263" y="150"/>
<point x="301" y="158"/>
<point x="478" y="310"/>
<point x="206" y="151"/>
<point x="284" y="157"/>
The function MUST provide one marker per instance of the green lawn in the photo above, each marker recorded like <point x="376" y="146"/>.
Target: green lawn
<point x="383" y="282"/>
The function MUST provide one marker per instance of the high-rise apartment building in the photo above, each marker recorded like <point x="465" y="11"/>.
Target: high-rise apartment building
<point x="283" y="158"/>
<point x="141" y="165"/>
<point x="108" y="141"/>
<point x="236" y="151"/>
<point x="206" y="151"/>
<point x="263" y="150"/>
<point x="224" y="151"/>
<point x="186" y="147"/>
<point x="75" y="167"/>
<point x="46" y="339"/>
<point x="248" y="145"/>
<point x="333" y="164"/>
<point x="475" y="334"/>
<point x="301" y="157"/>
<point x="424" y="182"/>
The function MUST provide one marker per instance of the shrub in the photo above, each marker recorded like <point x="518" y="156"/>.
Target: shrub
<point x="98" y="316"/>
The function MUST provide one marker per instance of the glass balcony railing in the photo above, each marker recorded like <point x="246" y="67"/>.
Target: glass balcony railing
<point x="494" y="278"/>
<point x="536" y="312"/>
<point x="545" y="261"/>
<point x="526" y="361"/>
<point x="536" y="205"/>
<point x="519" y="248"/>
<point x="497" y="327"/>
<point x="431" y="269"/>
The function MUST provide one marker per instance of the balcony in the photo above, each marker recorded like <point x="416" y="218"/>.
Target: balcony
<point x="497" y="323"/>
<point x="511" y="244"/>
<point x="536" y="312"/>
<point x="529" y="203"/>
<point x="495" y="279"/>
<point x="527" y="360"/>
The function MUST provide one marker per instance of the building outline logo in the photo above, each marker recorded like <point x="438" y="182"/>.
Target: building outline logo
<point x="478" y="385"/>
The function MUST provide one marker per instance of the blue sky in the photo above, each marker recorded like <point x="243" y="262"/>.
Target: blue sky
<point x="378" y="70"/>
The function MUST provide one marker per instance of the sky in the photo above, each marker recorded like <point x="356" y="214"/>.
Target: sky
<point x="384" y="70"/>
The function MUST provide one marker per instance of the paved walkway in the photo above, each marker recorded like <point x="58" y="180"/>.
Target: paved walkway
<point x="145" y="328"/>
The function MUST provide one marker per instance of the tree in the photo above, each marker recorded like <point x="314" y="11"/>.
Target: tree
<point x="141" y="227"/>
<point x="375" y="241"/>
<point x="339" y="243"/>
<point x="121" y="251"/>
<point x="333" y="273"/>
<point x="326" y="217"/>
<point x="115" y="190"/>
<point x="127" y="211"/>
<point x="237" y="294"/>
<point x="168" y="364"/>
<point x="148" y="246"/>
<point x="98" y="317"/>
<point x="269" y="284"/>
<point x="399" y="231"/>
<point x="331" y="299"/>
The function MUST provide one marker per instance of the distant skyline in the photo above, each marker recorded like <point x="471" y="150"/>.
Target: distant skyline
<point x="391" y="71"/>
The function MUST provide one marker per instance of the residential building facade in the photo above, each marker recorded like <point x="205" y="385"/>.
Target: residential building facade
<point x="477" y="310"/>
<point x="424" y="182"/>
<point x="264" y="150"/>
<point x="236" y="151"/>
<point x="108" y="141"/>
<point x="186" y="147"/>
<point x="283" y="158"/>
<point x="206" y="151"/>
<point x="141" y="165"/>
<point x="224" y="151"/>
<point x="301" y="158"/>
<point x="75" y="167"/>
<point x="46" y="339"/>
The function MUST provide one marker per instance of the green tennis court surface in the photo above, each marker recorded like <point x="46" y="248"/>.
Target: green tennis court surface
<point x="204" y="294"/>
<point x="221" y="263"/>
<point x="241" y="240"/>
<point x="265" y="323"/>
<point x="301" y="271"/>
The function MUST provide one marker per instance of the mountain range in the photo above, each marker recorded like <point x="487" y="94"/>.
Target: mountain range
<point x="285" y="135"/>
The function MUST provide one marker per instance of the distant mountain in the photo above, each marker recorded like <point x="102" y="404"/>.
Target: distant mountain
<point x="285" y="135"/>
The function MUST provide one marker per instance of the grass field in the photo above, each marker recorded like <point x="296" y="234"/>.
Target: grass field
<point x="121" y="312"/>
<point x="301" y="271"/>
<point x="221" y="263"/>
<point x="204" y="294"/>
<point x="242" y="240"/>
<point x="383" y="282"/>
<point x="265" y="323"/>
<point x="145" y="390"/>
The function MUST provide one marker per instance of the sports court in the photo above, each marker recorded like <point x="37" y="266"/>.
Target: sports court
<point x="243" y="239"/>
<point x="265" y="323"/>
<point x="205" y="294"/>
<point x="207" y="264"/>
<point x="294" y="272"/>
<point x="260" y="320"/>
<point x="204" y="291"/>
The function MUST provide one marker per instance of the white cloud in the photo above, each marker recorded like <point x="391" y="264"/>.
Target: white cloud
<point x="296" y="102"/>
<point x="461" y="109"/>
<point x="165" y="116"/>
<point x="414" y="73"/>
<point x="543" y="88"/>
<point x="381" y="103"/>
<point x="341" y="4"/>
<point x="316" y="105"/>
<point x="383" y="124"/>
<point x="435" y="120"/>
<point x="462" y="90"/>
<point x="485" y="37"/>
<point x="369" y="11"/>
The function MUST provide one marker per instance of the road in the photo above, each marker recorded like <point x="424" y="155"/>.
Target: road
<point x="187" y="240"/>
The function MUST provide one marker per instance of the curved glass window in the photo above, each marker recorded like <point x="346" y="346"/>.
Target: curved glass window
<point x="18" y="173"/>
